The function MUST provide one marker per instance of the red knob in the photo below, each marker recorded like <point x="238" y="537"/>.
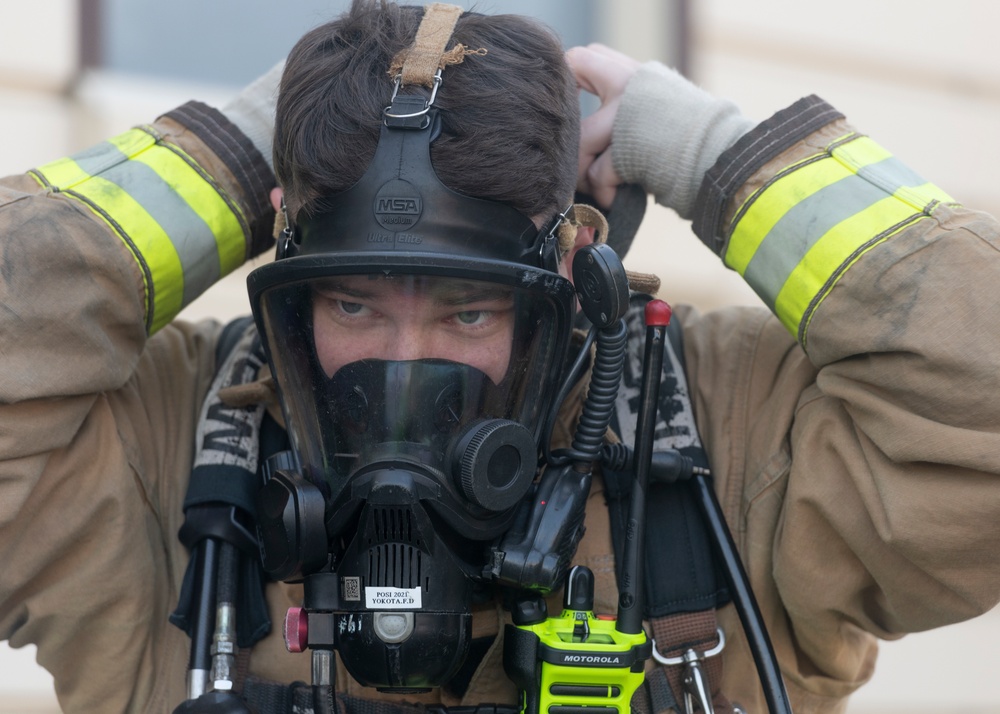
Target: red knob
<point x="296" y="629"/>
<point x="658" y="313"/>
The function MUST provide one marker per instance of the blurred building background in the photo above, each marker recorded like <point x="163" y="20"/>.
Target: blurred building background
<point x="921" y="76"/>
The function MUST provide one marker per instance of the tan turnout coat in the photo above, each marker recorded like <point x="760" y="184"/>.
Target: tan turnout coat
<point x="859" y="476"/>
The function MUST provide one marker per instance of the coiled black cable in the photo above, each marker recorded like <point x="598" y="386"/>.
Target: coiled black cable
<point x="616" y="457"/>
<point x="609" y="364"/>
<point x="606" y="375"/>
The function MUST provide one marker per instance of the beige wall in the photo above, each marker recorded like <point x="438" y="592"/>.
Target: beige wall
<point x="922" y="77"/>
<point x="26" y="63"/>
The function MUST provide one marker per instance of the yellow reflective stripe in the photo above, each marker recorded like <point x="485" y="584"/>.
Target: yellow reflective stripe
<point x="133" y="142"/>
<point x="845" y="242"/>
<point x="152" y="243"/>
<point x="206" y="202"/>
<point x="182" y="229"/>
<point x="862" y="151"/>
<point x="64" y="173"/>
<point x="923" y="195"/>
<point x="793" y="187"/>
<point x="67" y="172"/>
<point x="772" y="204"/>
<point x="796" y="236"/>
<point x="177" y="169"/>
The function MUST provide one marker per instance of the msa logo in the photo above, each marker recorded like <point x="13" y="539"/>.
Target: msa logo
<point x="591" y="659"/>
<point x="397" y="206"/>
<point x="390" y="204"/>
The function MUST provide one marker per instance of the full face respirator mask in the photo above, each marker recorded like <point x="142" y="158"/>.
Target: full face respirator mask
<point x="417" y="338"/>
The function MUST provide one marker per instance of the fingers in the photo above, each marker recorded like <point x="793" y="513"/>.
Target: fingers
<point x="600" y="180"/>
<point x="601" y="70"/>
<point x="595" y="131"/>
<point x="604" y="72"/>
<point x="595" y="171"/>
<point x="611" y="53"/>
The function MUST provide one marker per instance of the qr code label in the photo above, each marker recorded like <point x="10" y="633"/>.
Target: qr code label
<point x="350" y="588"/>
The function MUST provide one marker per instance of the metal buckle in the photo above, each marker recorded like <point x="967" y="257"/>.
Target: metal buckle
<point x="287" y="237"/>
<point x="427" y="105"/>
<point x="551" y="236"/>
<point x="695" y="681"/>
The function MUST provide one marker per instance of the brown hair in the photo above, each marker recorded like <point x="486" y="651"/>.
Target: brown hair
<point x="510" y="119"/>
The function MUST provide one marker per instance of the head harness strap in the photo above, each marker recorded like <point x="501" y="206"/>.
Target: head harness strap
<point x="399" y="206"/>
<point x="423" y="58"/>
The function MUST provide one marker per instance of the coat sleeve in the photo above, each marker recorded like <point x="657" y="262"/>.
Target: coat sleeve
<point x="887" y="521"/>
<point x="99" y="389"/>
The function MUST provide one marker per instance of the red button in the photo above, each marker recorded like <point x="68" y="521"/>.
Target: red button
<point x="658" y="313"/>
<point x="609" y="618"/>
<point x="296" y="629"/>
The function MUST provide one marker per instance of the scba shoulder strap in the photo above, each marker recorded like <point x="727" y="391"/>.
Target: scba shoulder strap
<point x="218" y="511"/>
<point x="684" y="582"/>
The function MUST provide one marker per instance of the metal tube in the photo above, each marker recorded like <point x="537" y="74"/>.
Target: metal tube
<point x="200" y="662"/>
<point x="224" y="639"/>
<point x="322" y="667"/>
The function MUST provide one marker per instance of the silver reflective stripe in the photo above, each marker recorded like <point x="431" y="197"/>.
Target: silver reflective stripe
<point x="788" y="241"/>
<point x="190" y="235"/>
<point x="891" y="174"/>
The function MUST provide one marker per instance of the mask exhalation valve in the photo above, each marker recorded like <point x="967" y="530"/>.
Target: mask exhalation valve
<point x="495" y="463"/>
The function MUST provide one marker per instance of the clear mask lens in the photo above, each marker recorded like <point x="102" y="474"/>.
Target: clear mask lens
<point x="376" y="370"/>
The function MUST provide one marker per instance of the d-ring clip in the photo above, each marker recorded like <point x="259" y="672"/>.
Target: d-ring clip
<point x="696" y="686"/>
<point x="427" y="105"/>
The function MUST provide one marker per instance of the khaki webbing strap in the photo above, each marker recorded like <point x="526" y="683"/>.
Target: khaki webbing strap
<point x="643" y="282"/>
<point x="423" y="59"/>
<point x="675" y="635"/>
<point x="582" y="214"/>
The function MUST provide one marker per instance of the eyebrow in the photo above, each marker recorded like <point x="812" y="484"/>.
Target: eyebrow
<point x="450" y="294"/>
<point x="334" y="286"/>
<point x="464" y="294"/>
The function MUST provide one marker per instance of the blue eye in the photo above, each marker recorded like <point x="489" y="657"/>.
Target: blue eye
<point x="472" y="317"/>
<point x="350" y="308"/>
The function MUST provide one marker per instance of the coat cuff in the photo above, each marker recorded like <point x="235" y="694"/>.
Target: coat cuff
<point x="747" y="156"/>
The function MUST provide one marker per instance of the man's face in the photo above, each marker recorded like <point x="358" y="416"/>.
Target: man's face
<point x="402" y="318"/>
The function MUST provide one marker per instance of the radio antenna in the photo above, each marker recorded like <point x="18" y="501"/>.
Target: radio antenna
<point x="630" y="597"/>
